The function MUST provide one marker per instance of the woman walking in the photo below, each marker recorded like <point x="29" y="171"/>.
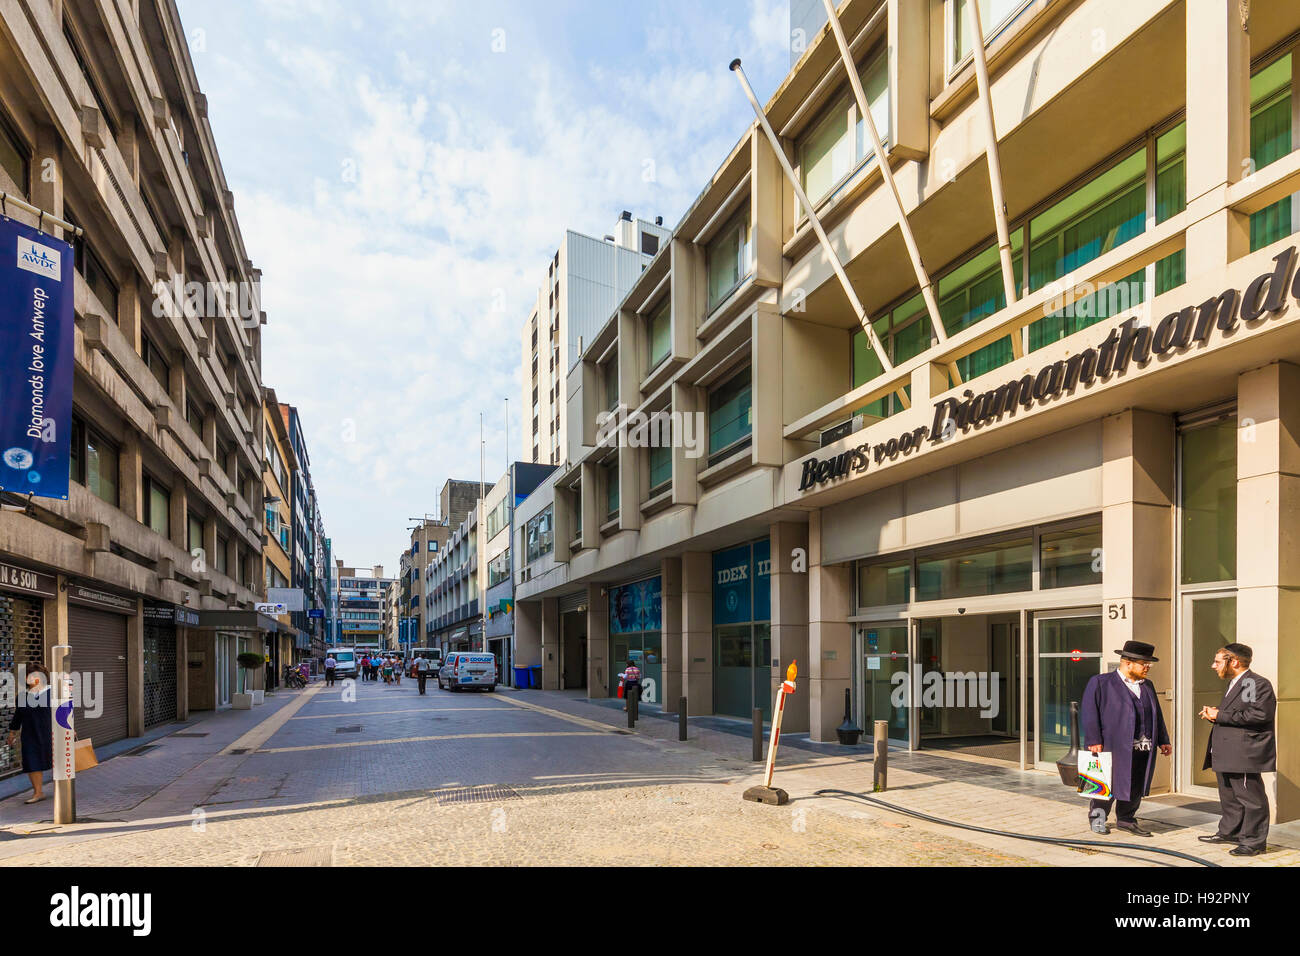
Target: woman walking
<point x="32" y="719"/>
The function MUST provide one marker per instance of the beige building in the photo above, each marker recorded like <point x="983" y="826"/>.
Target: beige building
<point x="152" y="566"/>
<point x="1083" y="437"/>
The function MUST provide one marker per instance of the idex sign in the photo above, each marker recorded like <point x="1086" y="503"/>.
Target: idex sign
<point x="1128" y="343"/>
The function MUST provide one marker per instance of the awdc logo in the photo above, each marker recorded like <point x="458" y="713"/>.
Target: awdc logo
<point x="41" y="259"/>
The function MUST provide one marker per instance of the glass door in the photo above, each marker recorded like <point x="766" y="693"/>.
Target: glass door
<point x="1212" y="620"/>
<point x="880" y="695"/>
<point x="1067" y="653"/>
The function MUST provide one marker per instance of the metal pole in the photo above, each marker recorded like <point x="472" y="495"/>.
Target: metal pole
<point x="9" y="199"/>
<point x="758" y="733"/>
<point x="864" y="108"/>
<point x="65" y="766"/>
<point x="480" y="540"/>
<point x="880" y="770"/>
<point x="995" y="170"/>
<point x="858" y="310"/>
<point x="681" y="719"/>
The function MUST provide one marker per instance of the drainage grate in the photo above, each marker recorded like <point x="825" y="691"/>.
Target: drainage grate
<point x="195" y="734"/>
<point x="321" y="855"/>
<point x="354" y="729"/>
<point x="138" y="751"/>
<point x="487" y="794"/>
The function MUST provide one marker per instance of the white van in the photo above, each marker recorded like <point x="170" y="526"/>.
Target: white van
<point x="345" y="661"/>
<point x="466" y="669"/>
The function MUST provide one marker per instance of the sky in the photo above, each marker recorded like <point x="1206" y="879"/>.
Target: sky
<point x="403" y="173"/>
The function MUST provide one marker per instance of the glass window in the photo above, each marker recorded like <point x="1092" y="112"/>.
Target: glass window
<point x="659" y="333"/>
<point x="1070" y="558"/>
<point x="973" y="291"/>
<point x="153" y="358"/>
<point x="826" y="152"/>
<point x="1209" y="503"/>
<point x="157" y="507"/>
<point x="219" y="559"/>
<point x="610" y="371"/>
<point x="101" y="467"/>
<point x="1171" y="199"/>
<point x="875" y="84"/>
<point x="730" y="418"/>
<point x="727" y="255"/>
<point x="99" y="280"/>
<point x="988" y="569"/>
<point x="994" y="15"/>
<point x="1270" y="140"/>
<point x="14" y="155"/>
<point x="905" y="334"/>
<point x="661" y="468"/>
<point x="611" y="490"/>
<point x="195" y="532"/>
<point x="538" y="535"/>
<point x="885" y="583"/>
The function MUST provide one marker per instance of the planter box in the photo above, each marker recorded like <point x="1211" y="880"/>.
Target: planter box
<point x="242" y="702"/>
<point x="259" y="697"/>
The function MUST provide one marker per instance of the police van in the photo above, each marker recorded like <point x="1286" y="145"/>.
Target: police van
<point x="464" y="669"/>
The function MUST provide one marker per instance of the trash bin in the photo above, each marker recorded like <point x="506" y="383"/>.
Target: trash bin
<point x="521" y="678"/>
<point x="535" y="676"/>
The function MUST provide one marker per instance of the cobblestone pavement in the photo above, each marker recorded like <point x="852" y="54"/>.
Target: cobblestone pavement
<point x="393" y="778"/>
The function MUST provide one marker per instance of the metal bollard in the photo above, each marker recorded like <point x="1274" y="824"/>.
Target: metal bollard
<point x="633" y="705"/>
<point x="880" y="770"/>
<point x="758" y="733"/>
<point x="681" y="719"/>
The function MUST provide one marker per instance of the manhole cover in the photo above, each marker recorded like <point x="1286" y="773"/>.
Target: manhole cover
<point x="489" y="794"/>
<point x="194" y="734"/>
<point x="138" y="751"/>
<point x="354" y="729"/>
<point x="322" y="855"/>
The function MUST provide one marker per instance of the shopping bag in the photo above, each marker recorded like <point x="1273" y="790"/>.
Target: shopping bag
<point x="620" y="689"/>
<point x="1094" y="775"/>
<point x="84" y="755"/>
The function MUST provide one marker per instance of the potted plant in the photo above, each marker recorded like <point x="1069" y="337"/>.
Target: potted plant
<point x="251" y="662"/>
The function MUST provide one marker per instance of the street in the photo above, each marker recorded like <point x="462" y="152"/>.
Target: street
<point x="393" y="778"/>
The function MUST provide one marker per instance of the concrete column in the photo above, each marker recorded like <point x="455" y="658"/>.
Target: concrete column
<point x="689" y="459"/>
<point x="1137" y="526"/>
<point x="766" y="411"/>
<point x="135" y="671"/>
<point x="129" y="306"/>
<point x="56" y="622"/>
<point x="47" y="189"/>
<point x="550" y="644"/>
<point x="789" y="582"/>
<point x="176" y="382"/>
<point x="670" y="576"/>
<point x="1268" y="555"/>
<point x="697" y="632"/>
<point x="598" y="663"/>
<point x="129" y="475"/>
<point x="830" y="636"/>
<point x="1218" y="131"/>
<point x="590" y="504"/>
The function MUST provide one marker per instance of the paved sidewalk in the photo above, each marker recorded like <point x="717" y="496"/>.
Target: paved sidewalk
<point x="951" y="788"/>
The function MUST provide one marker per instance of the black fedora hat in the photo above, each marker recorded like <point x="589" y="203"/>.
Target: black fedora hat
<point x="1136" y="650"/>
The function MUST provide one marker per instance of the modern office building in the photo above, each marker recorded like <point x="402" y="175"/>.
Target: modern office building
<point x="453" y="618"/>
<point x="1081" y="435"/>
<point x="278" y="466"/>
<point x="428" y="536"/>
<point x="585" y="279"/>
<point x="151" y="567"/>
<point x="361" y="596"/>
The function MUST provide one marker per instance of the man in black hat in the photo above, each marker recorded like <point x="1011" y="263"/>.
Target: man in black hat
<point x="1120" y="714"/>
<point x="1240" y="748"/>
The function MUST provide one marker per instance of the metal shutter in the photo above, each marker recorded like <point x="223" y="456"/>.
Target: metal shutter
<point x="98" y="641"/>
<point x="22" y="641"/>
<point x="159" y="673"/>
<point x="573" y="602"/>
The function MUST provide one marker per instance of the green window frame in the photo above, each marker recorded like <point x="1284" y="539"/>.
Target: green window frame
<point x="157" y="506"/>
<point x="610" y="373"/>
<point x="727" y="257"/>
<point x="659" y="334"/>
<point x="1270" y="140"/>
<point x="974" y="290"/>
<point x="15" y="157"/>
<point x="826" y="152"/>
<point x="730" y="416"/>
<point x="660" y="468"/>
<point x="905" y="333"/>
<point x="611" y="490"/>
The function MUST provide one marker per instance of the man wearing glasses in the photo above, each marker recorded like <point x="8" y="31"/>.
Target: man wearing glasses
<point x="1120" y="714"/>
<point x="1241" y="747"/>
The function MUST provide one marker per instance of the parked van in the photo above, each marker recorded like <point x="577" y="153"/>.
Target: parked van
<point x="345" y="661"/>
<point x="431" y="654"/>
<point x="465" y="669"/>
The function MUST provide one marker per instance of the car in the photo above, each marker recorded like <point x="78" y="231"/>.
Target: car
<point x="464" y="669"/>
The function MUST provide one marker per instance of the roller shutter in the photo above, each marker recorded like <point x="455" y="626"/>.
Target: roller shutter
<point x="98" y="640"/>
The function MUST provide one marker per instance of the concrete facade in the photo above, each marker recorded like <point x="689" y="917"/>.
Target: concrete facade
<point x="1027" y="484"/>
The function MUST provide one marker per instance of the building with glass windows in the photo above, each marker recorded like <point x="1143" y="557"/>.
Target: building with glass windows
<point x="1090" y="437"/>
<point x="361" y="595"/>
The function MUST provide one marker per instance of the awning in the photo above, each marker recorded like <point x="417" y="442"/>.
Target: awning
<point x="241" y="621"/>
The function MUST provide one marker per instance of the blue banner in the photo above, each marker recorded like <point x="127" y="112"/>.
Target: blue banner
<point x="36" y="356"/>
<point x="636" y="607"/>
<point x="742" y="584"/>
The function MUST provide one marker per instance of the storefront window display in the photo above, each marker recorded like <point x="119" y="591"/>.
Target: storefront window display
<point x="636" y="634"/>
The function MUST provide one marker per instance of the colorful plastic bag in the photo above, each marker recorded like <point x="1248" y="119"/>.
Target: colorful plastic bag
<point x="1094" y="775"/>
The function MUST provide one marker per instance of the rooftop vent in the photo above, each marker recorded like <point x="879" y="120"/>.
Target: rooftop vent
<point x="659" y="220"/>
<point x="627" y="216"/>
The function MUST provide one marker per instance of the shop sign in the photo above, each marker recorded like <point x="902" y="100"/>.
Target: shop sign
<point x="183" y="616"/>
<point x="14" y="578"/>
<point x="1129" y="343"/>
<point x="102" y="599"/>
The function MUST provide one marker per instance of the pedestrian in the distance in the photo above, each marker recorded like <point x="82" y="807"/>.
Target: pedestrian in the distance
<point x="397" y="672"/>
<point x="1121" y="714"/>
<point x="32" y="719"/>
<point x="631" y="682"/>
<point x="330" y="664"/>
<point x="421" y="671"/>
<point x="1240" y="748"/>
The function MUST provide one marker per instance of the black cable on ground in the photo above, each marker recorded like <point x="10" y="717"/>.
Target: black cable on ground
<point x="1062" y="841"/>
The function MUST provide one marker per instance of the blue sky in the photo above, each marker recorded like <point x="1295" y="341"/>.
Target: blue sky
<point x="403" y="172"/>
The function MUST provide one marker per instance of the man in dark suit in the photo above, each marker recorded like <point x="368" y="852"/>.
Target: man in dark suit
<point x="1241" y="747"/>
<point x="1120" y="714"/>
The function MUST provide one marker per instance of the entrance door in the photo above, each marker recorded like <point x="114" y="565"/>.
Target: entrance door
<point x="883" y="655"/>
<point x="574" y="654"/>
<point x="1212" y="621"/>
<point x="1067" y="652"/>
<point x="1004" y="655"/>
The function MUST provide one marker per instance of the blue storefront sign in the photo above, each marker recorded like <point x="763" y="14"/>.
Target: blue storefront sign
<point x="36" y="356"/>
<point x="741" y="589"/>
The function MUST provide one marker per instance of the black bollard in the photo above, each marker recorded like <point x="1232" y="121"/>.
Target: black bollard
<point x="758" y="733"/>
<point x="634" y="706"/>
<point x="681" y="719"/>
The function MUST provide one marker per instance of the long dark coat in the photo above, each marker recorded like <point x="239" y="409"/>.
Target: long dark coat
<point x="1109" y="718"/>
<point x="1241" y="739"/>
<point x="32" y="720"/>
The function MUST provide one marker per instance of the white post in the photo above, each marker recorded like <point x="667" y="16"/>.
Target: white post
<point x="65" y="747"/>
